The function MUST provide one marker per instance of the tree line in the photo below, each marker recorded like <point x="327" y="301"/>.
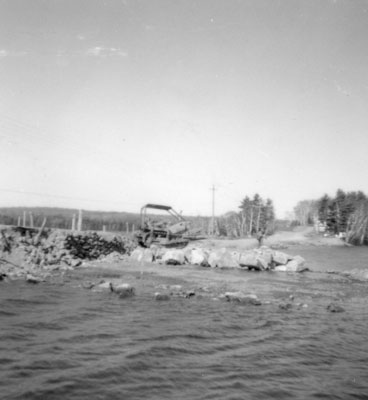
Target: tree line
<point x="61" y="218"/>
<point x="256" y="215"/>
<point x="345" y="213"/>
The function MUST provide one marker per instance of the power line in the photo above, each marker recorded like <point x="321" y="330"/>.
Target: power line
<point x="63" y="197"/>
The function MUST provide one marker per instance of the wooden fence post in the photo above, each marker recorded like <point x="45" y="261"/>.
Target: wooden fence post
<point x="73" y="222"/>
<point x="24" y="218"/>
<point x="79" y="220"/>
<point x="31" y="219"/>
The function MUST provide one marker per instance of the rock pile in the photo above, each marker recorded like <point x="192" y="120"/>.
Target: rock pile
<point x="93" y="246"/>
<point x="260" y="259"/>
<point x="26" y="251"/>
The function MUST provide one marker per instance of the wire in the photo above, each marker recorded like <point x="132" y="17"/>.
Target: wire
<point x="65" y="197"/>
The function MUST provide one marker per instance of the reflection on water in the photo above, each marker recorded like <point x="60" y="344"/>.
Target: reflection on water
<point x="62" y="342"/>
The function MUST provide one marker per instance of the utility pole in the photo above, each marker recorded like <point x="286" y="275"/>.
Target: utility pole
<point x="213" y="211"/>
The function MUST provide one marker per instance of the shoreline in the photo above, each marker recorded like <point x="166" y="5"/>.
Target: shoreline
<point x="193" y="275"/>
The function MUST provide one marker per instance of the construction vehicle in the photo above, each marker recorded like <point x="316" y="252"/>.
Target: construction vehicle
<point x="170" y="230"/>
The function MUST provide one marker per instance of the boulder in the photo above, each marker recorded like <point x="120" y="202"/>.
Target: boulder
<point x="254" y="260"/>
<point x="75" y="263"/>
<point x="239" y="297"/>
<point x="87" y="285"/>
<point x="155" y="250"/>
<point x="262" y="262"/>
<point x="297" y="264"/>
<point x="33" y="279"/>
<point x="280" y="258"/>
<point x="267" y="255"/>
<point x="137" y="254"/>
<point x="113" y="257"/>
<point x="123" y="289"/>
<point x="285" y="306"/>
<point x="235" y="255"/>
<point x="174" y="257"/>
<point x="197" y="257"/>
<point x="222" y="259"/>
<point x="358" y="274"/>
<point x="142" y="255"/>
<point x="103" y="286"/>
<point x="248" y="259"/>
<point x="162" y="297"/>
<point x="280" y="268"/>
<point x="335" y="308"/>
<point x="148" y="256"/>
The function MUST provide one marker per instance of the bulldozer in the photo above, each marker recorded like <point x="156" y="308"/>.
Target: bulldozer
<point x="170" y="230"/>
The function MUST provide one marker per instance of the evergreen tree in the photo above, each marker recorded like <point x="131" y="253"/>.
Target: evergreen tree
<point x="323" y="207"/>
<point x="257" y="215"/>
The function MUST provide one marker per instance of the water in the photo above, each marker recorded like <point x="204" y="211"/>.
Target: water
<point x="58" y="341"/>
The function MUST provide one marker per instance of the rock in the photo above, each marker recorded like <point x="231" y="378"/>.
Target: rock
<point x="248" y="259"/>
<point x="103" y="286"/>
<point x="299" y="259"/>
<point x="143" y="255"/>
<point x="137" y="254"/>
<point x="235" y="255"/>
<point x="198" y="257"/>
<point x="239" y="297"/>
<point x="176" y="287"/>
<point x="222" y="259"/>
<point x="297" y="264"/>
<point x="33" y="279"/>
<point x="87" y="285"/>
<point x="335" y="308"/>
<point x="148" y="256"/>
<point x="159" y="252"/>
<point x="174" y="257"/>
<point x="285" y="306"/>
<point x="112" y="257"/>
<point x="185" y="294"/>
<point x="123" y="289"/>
<point x="262" y="263"/>
<point x="75" y="263"/>
<point x="267" y="256"/>
<point x="161" y="297"/>
<point x="358" y="274"/>
<point x="257" y="260"/>
<point x="280" y="258"/>
<point x="280" y="268"/>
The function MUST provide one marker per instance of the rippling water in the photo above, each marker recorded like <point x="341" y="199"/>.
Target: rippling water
<point x="59" y="341"/>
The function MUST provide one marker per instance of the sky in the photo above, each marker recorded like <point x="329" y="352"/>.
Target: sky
<point x="108" y="105"/>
